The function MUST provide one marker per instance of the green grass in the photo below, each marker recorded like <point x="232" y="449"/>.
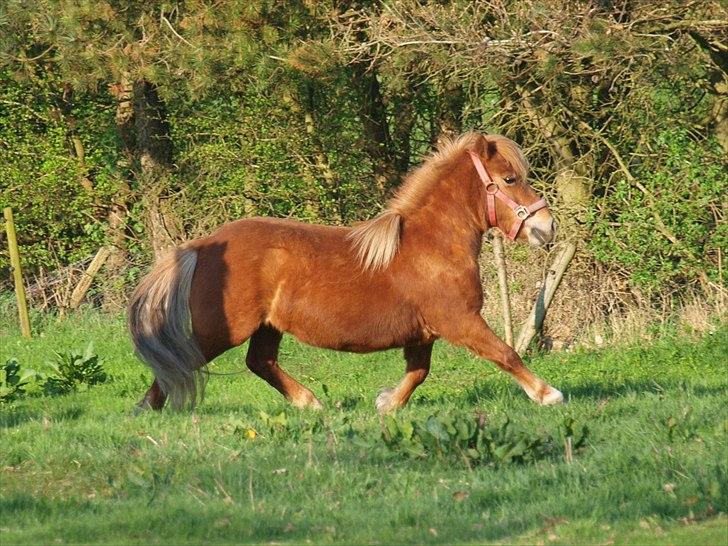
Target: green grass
<point x="82" y="468"/>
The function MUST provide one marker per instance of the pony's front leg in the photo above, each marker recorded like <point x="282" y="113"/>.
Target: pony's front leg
<point x="418" y="366"/>
<point x="475" y="334"/>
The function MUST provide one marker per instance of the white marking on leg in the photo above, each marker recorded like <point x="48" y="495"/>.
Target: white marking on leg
<point x="545" y="395"/>
<point x="307" y="401"/>
<point x="551" y="397"/>
<point x="384" y="400"/>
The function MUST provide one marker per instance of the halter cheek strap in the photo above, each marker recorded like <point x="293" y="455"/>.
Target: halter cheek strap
<point x="493" y="192"/>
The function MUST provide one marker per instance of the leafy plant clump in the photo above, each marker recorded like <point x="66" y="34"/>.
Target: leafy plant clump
<point x="71" y="372"/>
<point x="13" y="381"/>
<point x="468" y="437"/>
<point x="74" y="372"/>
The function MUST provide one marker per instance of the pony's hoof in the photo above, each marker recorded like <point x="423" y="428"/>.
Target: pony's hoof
<point x="142" y="407"/>
<point x="552" y="397"/>
<point x="384" y="400"/>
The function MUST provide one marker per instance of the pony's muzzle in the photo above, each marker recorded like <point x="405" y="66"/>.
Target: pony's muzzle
<point x="541" y="231"/>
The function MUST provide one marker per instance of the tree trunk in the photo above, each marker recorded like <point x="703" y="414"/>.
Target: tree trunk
<point x="373" y="114"/>
<point x="77" y="149"/>
<point x="718" y="54"/>
<point x="154" y="162"/>
<point x="144" y="161"/>
<point x="534" y="322"/>
<point x="321" y="158"/>
<point x="571" y="181"/>
<point x="404" y="121"/>
<point x="451" y="111"/>
<point x="553" y="132"/>
<point x="118" y="210"/>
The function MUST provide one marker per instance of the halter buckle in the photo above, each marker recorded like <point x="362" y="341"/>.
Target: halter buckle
<point x="522" y="212"/>
<point x="492" y="188"/>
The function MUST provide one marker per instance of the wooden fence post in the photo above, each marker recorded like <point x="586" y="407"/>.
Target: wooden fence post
<point x="88" y="276"/>
<point x="500" y="261"/>
<point x="17" y="272"/>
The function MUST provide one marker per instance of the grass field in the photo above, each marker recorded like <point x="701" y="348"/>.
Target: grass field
<point x="245" y="467"/>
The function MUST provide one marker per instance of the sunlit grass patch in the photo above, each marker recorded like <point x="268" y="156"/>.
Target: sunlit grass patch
<point x="247" y="467"/>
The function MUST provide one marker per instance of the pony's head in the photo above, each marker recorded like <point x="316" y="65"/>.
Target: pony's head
<point x="496" y="172"/>
<point x="511" y="204"/>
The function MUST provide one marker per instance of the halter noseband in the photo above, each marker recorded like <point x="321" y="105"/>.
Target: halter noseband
<point x="492" y="192"/>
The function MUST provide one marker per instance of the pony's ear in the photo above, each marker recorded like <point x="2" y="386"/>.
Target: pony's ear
<point x="479" y="145"/>
<point x="490" y="148"/>
<point x="484" y="147"/>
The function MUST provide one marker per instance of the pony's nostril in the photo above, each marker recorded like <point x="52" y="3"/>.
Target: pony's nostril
<point x="539" y="237"/>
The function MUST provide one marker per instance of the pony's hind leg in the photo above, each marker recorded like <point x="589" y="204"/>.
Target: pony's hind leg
<point x="262" y="359"/>
<point x="418" y="366"/>
<point x="154" y="398"/>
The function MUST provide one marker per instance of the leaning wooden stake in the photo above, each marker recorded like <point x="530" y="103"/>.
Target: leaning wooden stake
<point x="88" y="276"/>
<point x="500" y="261"/>
<point x="553" y="278"/>
<point x="17" y="272"/>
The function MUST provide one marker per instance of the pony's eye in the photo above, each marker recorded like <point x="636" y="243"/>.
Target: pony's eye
<point x="510" y="180"/>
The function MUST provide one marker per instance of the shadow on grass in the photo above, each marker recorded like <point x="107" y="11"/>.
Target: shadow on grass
<point x="603" y="390"/>
<point x="12" y="417"/>
<point x="120" y="523"/>
<point x="179" y="520"/>
<point x="230" y="407"/>
<point x="600" y="390"/>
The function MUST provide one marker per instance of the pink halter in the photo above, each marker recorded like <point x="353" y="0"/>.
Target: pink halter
<point x="492" y="191"/>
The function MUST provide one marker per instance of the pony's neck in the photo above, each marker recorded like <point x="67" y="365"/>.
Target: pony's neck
<point x="451" y="218"/>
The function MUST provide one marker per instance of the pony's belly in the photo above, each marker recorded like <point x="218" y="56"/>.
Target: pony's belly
<point x="356" y="346"/>
<point x="354" y="332"/>
<point x="350" y="347"/>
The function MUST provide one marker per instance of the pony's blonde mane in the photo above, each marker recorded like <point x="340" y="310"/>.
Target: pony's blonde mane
<point x="376" y="241"/>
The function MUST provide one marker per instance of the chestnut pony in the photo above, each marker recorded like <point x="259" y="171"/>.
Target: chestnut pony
<point x="403" y="279"/>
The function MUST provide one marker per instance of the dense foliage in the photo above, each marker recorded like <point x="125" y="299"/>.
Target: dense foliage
<point x="139" y="124"/>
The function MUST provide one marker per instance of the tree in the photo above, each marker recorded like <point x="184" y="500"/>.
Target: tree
<point x="589" y="87"/>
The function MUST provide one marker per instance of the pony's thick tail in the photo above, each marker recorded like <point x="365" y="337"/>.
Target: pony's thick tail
<point x="161" y="329"/>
